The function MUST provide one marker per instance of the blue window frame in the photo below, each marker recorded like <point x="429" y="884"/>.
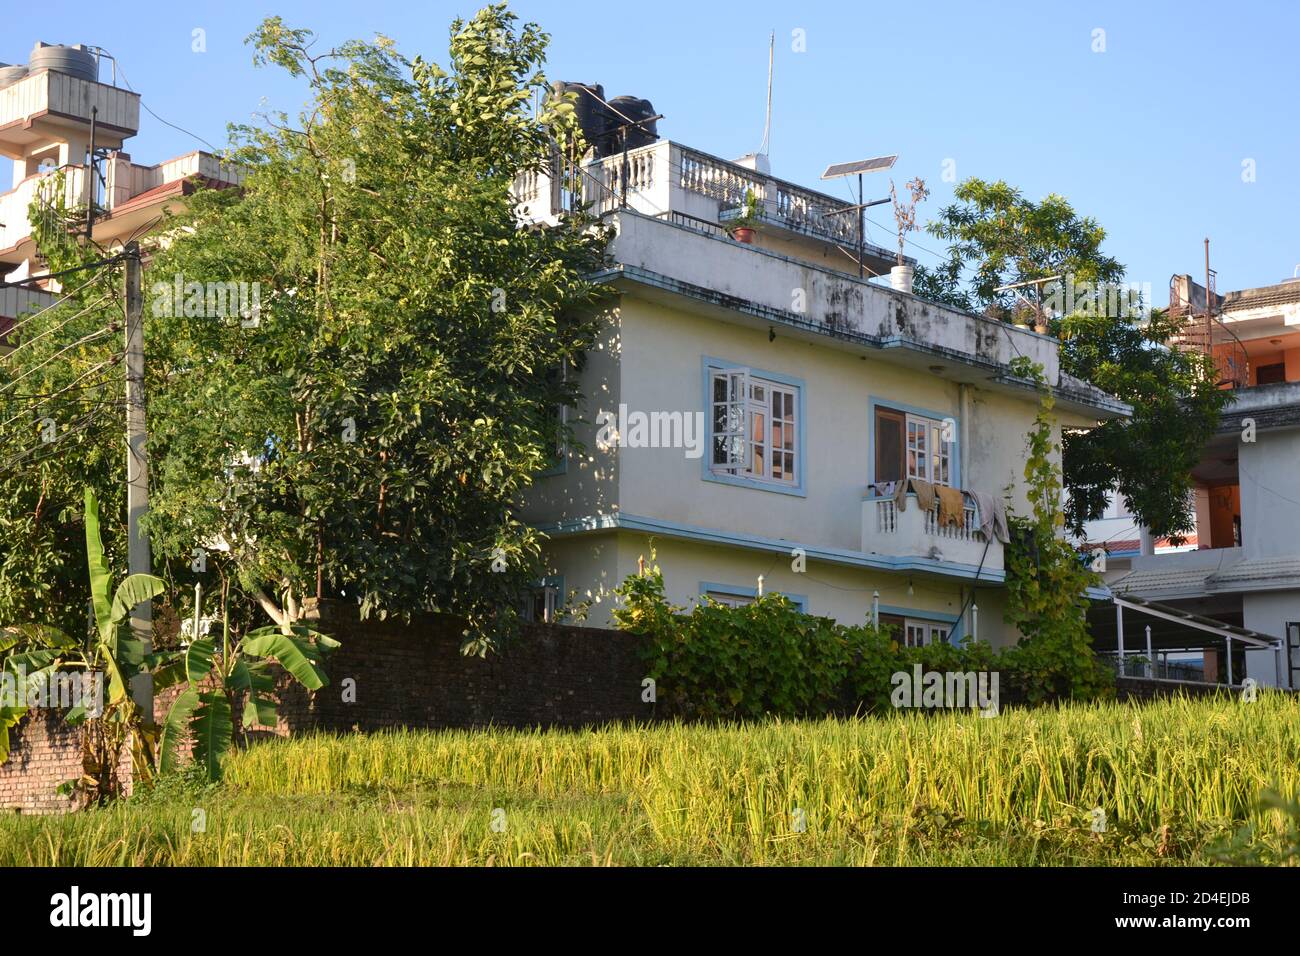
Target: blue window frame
<point x="757" y="427"/>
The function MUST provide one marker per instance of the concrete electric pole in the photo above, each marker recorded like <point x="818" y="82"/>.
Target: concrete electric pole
<point x="137" y="469"/>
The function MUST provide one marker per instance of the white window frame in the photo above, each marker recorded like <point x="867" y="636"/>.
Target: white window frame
<point x="927" y="632"/>
<point x="926" y="455"/>
<point x="744" y="420"/>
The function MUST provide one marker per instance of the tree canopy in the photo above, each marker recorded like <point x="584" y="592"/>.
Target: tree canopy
<point x="355" y="360"/>
<point x="998" y="238"/>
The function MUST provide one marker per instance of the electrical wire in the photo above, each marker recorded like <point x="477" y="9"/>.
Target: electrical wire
<point x="85" y="422"/>
<point x="85" y="339"/>
<point x="72" y="386"/>
<point x="179" y="129"/>
<point x="26" y="343"/>
<point x="64" y="298"/>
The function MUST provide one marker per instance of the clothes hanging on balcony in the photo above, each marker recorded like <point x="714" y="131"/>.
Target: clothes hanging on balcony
<point x="993" y="516"/>
<point x="952" y="506"/>
<point x="924" y="494"/>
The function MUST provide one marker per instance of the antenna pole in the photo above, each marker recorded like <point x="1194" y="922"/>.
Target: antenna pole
<point x="767" y="122"/>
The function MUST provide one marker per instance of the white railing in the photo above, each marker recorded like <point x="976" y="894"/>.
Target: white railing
<point x="914" y="532"/>
<point x="718" y="179"/>
<point x="14" y="205"/>
<point x="886" y="516"/>
<point x="968" y="530"/>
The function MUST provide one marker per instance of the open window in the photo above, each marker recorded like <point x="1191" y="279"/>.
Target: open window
<point x="913" y="446"/>
<point x="755" y="426"/>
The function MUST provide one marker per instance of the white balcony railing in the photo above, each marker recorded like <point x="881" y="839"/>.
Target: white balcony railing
<point x="667" y="179"/>
<point x="913" y="532"/>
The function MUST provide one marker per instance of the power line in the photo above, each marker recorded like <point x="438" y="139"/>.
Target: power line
<point x="85" y="339"/>
<point x="4" y="359"/>
<point x="179" y="129"/>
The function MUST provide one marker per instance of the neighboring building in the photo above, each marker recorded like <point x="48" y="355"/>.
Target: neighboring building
<point x="49" y="111"/>
<point x="1245" y="571"/>
<point x="814" y="390"/>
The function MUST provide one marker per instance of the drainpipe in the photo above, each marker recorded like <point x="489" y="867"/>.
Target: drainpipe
<point x="963" y="406"/>
<point x="1119" y="635"/>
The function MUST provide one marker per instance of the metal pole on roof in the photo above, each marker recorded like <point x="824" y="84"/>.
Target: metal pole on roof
<point x="862" y="216"/>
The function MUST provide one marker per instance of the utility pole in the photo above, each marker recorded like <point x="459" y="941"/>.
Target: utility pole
<point x="137" y="469"/>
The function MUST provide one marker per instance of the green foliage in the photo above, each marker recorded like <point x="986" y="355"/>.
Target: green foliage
<point x="998" y="238"/>
<point x="1047" y="579"/>
<point x="372" y="432"/>
<point x="42" y="651"/>
<point x="769" y="658"/>
<point x="1148" y="458"/>
<point x="219" y="675"/>
<point x="61" y="428"/>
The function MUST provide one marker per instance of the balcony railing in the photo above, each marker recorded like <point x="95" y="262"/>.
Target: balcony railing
<point x="666" y="179"/>
<point x="914" y="532"/>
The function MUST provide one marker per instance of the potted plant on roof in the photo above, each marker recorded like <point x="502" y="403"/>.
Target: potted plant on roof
<point x="741" y="228"/>
<point x="900" y="276"/>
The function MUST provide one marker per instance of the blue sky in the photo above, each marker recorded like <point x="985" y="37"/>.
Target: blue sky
<point x="1149" y="136"/>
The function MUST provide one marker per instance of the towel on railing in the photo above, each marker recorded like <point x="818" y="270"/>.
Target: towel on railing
<point x="993" y="516"/>
<point x="924" y="494"/>
<point x="952" y="506"/>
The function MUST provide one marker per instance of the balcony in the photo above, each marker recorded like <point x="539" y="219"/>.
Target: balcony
<point x="916" y="533"/>
<point x="692" y="188"/>
<point x="48" y="106"/>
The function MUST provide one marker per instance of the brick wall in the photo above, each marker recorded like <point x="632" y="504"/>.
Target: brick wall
<point x="404" y="675"/>
<point x="44" y="753"/>
<point x="414" y="675"/>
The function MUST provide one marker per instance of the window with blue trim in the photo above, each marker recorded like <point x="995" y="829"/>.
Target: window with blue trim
<point x="755" y="426"/>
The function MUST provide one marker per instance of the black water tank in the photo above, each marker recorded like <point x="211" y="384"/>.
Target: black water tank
<point x="634" y="108"/>
<point x="594" y="117"/>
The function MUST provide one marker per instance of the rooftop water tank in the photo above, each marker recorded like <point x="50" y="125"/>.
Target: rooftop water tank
<point x="635" y="109"/>
<point x="9" y="75"/>
<point x="73" y="60"/>
<point x="590" y="110"/>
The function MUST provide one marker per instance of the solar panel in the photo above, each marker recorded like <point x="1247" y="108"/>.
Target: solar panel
<point x="861" y="166"/>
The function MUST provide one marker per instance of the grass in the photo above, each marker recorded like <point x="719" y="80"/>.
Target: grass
<point x="1176" y="780"/>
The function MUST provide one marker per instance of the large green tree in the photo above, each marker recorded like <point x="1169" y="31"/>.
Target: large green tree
<point x="997" y="238"/>
<point x="355" y="361"/>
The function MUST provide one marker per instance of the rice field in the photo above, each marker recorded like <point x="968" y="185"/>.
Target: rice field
<point x="1174" y="782"/>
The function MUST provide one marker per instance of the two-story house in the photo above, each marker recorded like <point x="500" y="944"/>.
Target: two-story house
<point x="752" y="407"/>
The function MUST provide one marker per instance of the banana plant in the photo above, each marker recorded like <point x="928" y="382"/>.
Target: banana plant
<point x="219" y="675"/>
<point x="39" y="652"/>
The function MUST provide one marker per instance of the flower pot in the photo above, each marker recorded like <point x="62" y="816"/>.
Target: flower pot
<point x="743" y="235"/>
<point x="900" y="278"/>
